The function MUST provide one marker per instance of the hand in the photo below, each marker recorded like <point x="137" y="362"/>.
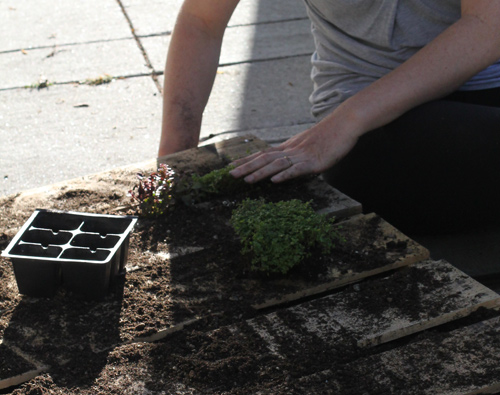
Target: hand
<point x="310" y="152"/>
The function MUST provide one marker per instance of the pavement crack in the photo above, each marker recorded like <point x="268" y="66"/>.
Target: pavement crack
<point x="154" y="74"/>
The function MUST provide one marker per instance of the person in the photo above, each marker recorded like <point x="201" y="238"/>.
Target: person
<point x="407" y="96"/>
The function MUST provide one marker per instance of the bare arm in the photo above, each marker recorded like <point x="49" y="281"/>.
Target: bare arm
<point x="190" y="70"/>
<point x="464" y="49"/>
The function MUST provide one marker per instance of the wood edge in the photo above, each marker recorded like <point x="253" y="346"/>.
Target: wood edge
<point x="422" y="254"/>
<point x="263" y="132"/>
<point x="21" y="378"/>
<point x="236" y="140"/>
<point x="26" y="357"/>
<point x="346" y="212"/>
<point x="424" y="325"/>
<point x="159" y="335"/>
<point x="208" y="153"/>
<point x="163" y="333"/>
<point x="337" y="283"/>
<point x="218" y="146"/>
<point x="488" y="389"/>
<point x="26" y="376"/>
<point x="231" y="149"/>
<point x="346" y="206"/>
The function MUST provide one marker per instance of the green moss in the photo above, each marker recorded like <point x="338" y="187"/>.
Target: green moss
<point x="280" y="235"/>
<point x="217" y="182"/>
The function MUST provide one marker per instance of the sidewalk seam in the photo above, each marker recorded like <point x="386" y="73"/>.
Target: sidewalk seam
<point x="80" y="82"/>
<point x="75" y="44"/>
<point x="141" y="47"/>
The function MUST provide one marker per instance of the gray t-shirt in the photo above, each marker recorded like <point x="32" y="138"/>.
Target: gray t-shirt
<point x="359" y="41"/>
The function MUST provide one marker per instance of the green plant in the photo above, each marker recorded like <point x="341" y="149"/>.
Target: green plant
<point x="154" y="193"/>
<point x="280" y="235"/>
<point x="217" y="182"/>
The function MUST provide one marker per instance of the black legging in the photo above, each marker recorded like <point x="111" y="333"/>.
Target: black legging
<point x="435" y="169"/>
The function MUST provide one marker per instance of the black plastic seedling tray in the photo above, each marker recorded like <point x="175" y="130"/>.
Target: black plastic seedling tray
<point x="79" y="251"/>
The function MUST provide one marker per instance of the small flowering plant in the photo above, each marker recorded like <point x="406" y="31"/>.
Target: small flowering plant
<point x="154" y="192"/>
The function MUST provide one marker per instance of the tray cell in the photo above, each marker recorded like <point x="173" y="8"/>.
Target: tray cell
<point x="56" y="221"/>
<point x="104" y="226"/>
<point x="85" y="254"/>
<point x="94" y="241"/>
<point x="46" y="237"/>
<point x="36" y="250"/>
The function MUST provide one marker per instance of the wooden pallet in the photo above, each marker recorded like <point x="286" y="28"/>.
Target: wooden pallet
<point x="345" y="308"/>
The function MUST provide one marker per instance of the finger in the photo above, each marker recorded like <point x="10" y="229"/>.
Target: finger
<point x="297" y="170"/>
<point x="259" y="172"/>
<point x="249" y="158"/>
<point x="246" y="159"/>
<point x="256" y="163"/>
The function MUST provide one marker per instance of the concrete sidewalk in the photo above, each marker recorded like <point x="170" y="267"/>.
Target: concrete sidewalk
<point x="61" y="117"/>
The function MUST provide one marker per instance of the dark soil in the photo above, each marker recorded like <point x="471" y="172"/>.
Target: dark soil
<point x="12" y="364"/>
<point x="84" y="342"/>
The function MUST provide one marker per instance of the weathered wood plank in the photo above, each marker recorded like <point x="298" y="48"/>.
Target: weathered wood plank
<point x="464" y="361"/>
<point x="213" y="155"/>
<point x="337" y="204"/>
<point x="193" y="159"/>
<point x="377" y="311"/>
<point x="236" y="148"/>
